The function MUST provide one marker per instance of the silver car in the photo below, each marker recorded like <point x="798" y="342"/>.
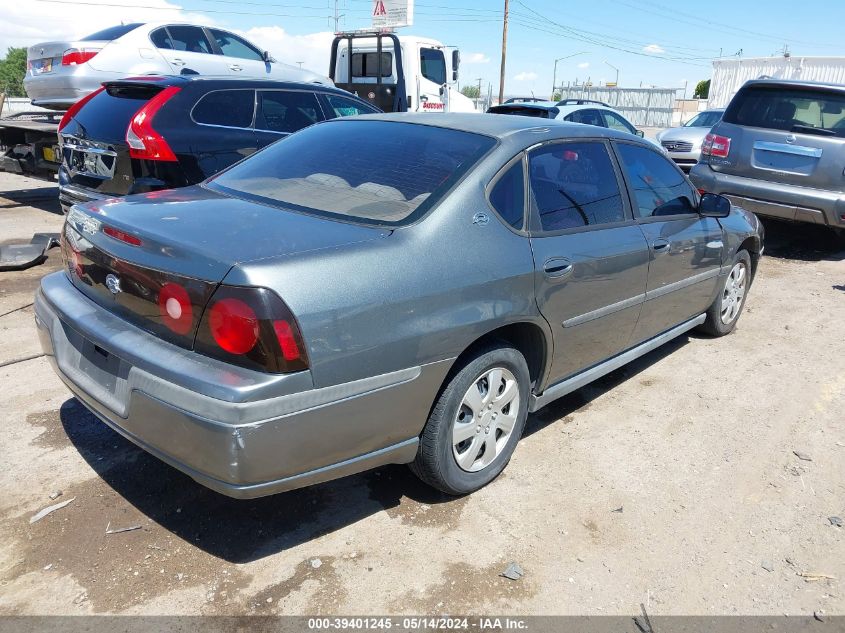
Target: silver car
<point x="683" y="144"/>
<point x="60" y="73"/>
<point x="399" y="288"/>
<point x="779" y="151"/>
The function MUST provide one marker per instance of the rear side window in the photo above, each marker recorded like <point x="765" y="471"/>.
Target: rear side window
<point x="366" y="64"/>
<point x="230" y="108"/>
<point x="508" y="196"/>
<point x="575" y="185"/>
<point x="376" y="172"/>
<point x="587" y="117"/>
<point x="658" y="187"/>
<point x="287" y="111"/>
<point x="190" y="39"/>
<point x="111" y="33"/>
<point x="793" y="109"/>
<point x="233" y="46"/>
<point x="341" y="106"/>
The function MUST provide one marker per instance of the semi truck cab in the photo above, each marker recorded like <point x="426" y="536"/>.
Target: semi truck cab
<point x="398" y="73"/>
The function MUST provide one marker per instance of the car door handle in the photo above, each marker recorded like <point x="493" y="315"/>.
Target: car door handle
<point x="235" y="67"/>
<point x="177" y="62"/>
<point x="661" y="247"/>
<point x="557" y="268"/>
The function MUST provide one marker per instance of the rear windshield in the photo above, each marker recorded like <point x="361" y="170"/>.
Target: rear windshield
<point x="377" y="172"/>
<point x="539" y="113"/>
<point x="111" y="33"/>
<point x="805" y="110"/>
<point x="106" y="117"/>
<point x="704" y="119"/>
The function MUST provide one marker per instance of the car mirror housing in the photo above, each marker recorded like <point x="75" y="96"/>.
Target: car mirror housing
<point x="268" y="58"/>
<point x="713" y="205"/>
<point x="640" y="133"/>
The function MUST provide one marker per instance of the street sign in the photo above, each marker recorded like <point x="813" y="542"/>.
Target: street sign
<point x="392" y="13"/>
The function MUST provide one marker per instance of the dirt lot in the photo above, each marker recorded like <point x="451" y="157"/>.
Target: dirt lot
<point x="673" y="482"/>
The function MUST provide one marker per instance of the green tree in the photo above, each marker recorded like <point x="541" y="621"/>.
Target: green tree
<point x="702" y="90"/>
<point x="471" y="91"/>
<point x="12" y="72"/>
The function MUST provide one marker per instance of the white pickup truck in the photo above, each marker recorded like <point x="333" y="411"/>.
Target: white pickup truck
<point x="398" y="73"/>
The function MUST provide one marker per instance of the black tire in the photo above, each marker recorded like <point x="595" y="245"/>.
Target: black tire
<point x="436" y="463"/>
<point x="714" y="325"/>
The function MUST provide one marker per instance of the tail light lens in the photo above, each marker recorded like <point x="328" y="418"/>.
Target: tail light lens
<point x="144" y="142"/>
<point x="715" y="145"/>
<point x="76" y="107"/>
<point x="76" y="56"/>
<point x="253" y="328"/>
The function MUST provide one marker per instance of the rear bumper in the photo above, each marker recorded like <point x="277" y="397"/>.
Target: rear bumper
<point x="69" y="196"/>
<point x="241" y="433"/>
<point x="772" y="199"/>
<point x="65" y="86"/>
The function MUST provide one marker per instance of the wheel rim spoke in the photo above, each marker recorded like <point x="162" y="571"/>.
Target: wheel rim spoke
<point x="485" y="419"/>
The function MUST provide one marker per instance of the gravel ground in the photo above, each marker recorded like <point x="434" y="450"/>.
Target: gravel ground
<point x="673" y="482"/>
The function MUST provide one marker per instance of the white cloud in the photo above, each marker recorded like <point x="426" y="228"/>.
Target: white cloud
<point x="313" y="50"/>
<point x="475" y="58"/>
<point x="584" y="65"/>
<point x="526" y="76"/>
<point x="28" y="23"/>
<point x="653" y="49"/>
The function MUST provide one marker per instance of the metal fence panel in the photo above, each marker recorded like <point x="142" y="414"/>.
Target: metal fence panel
<point x="644" y="107"/>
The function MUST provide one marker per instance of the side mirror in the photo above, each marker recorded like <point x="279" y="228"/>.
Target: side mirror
<point x="640" y="133"/>
<point x="713" y="205"/>
<point x="456" y="63"/>
<point x="268" y="58"/>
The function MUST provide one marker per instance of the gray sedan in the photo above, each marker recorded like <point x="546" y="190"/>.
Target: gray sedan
<point x="683" y="144"/>
<point x="388" y="289"/>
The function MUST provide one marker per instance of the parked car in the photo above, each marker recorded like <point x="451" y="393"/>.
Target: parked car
<point x="151" y="133"/>
<point x="587" y="112"/>
<point x="684" y="143"/>
<point x="60" y="73"/>
<point x="779" y="151"/>
<point x="398" y="288"/>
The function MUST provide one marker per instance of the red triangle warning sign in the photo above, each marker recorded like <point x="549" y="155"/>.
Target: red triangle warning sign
<point x="379" y="9"/>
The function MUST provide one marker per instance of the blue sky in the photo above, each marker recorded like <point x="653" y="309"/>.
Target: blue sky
<point x="653" y="42"/>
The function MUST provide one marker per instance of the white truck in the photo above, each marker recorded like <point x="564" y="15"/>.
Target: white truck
<point x="398" y="73"/>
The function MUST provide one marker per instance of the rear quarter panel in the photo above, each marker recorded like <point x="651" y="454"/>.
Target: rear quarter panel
<point x="421" y="294"/>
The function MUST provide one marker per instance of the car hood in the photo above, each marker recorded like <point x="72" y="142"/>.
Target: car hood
<point x="200" y="233"/>
<point x="694" y="135"/>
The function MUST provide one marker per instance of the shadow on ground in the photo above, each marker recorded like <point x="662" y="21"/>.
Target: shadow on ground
<point x="803" y="242"/>
<point x="245" y="530"/>
<point x="42" y="198"/>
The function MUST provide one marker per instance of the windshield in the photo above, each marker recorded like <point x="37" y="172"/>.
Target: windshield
<point x="805" y="110"/>
<point x="377" y="172"/>
<point x="704" y="119"/>
<point x="433" y="65"/>
<point x="111" y="33"/>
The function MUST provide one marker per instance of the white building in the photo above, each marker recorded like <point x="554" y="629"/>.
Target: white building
<point x="730" y="74"/>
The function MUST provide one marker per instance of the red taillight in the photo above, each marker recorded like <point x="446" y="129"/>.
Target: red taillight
<point x="174" y="304"/>
<point x="715" y="145"/>
<point x="287" y="340"/>
<point x="701" y="191"/>
<point x="234" y="325"/>
<point x="253" y="328"/>
<point x="144" y="142"/>
<point x="76" y="107"/>
<point x="75" y="56"/>
<point x="122" y="236"/>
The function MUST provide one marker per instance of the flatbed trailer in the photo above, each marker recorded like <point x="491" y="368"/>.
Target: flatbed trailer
<point x="29" y="143"/>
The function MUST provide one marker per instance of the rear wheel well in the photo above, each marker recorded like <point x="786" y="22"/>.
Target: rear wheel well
<point x="527" y="338"/>
<point x="752" y="245"/>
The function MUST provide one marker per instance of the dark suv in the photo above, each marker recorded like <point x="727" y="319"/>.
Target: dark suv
<point x="148" y="133"/>
<point x="779" y="151"/>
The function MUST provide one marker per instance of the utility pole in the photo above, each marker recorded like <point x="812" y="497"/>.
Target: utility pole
<point x="337" y="17"/>
<point x="504" y="54"/>
<point x="479" y="80"/>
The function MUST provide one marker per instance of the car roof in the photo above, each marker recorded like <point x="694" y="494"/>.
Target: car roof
<point x="499" y="125"/>
<point x="794" y="83"/>
<point x="229" y="81"/>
